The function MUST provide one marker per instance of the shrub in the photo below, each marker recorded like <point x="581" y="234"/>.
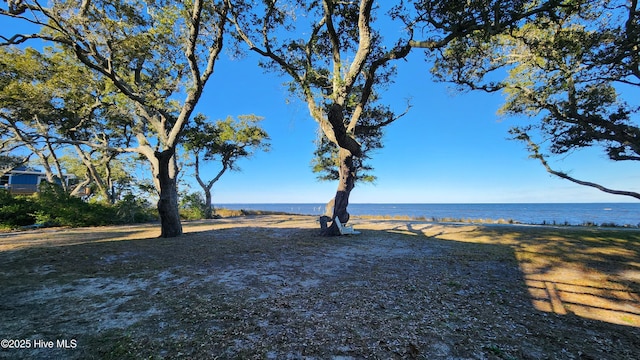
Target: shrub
<point x="192" y="207"/>
<point x="52" y="206"/>
<point x="57" y="207"/>
<point x="133" y="210"/>
<point x="16" y="211"/>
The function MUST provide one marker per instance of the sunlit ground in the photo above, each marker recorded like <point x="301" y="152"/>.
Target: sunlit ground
<point x="591" y="273"/>
<point x="74" y="236"/>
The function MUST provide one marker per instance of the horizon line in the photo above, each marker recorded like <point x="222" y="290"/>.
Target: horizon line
<point x="428" y="203"/>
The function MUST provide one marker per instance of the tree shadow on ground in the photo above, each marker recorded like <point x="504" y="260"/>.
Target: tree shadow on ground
<point x="592" y="273"/>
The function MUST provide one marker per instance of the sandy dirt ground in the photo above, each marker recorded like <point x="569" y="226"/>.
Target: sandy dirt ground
<point x="269" y="287"/>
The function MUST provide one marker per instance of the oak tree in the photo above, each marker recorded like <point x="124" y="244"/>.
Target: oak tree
<point x="336" y="61"/>
<point x="49" y="106"/>
<point x="158" y="56"/>
<point x="339" y="58"/>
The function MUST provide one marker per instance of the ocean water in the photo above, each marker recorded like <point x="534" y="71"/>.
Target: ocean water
<point x="571" y="214"/>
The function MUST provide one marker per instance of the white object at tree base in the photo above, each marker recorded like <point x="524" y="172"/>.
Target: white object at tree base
<point x="345" y="230"/>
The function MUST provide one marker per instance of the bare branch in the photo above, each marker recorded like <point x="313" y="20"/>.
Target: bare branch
<point x="399" y="52"/>
<point x="535" y="149"/>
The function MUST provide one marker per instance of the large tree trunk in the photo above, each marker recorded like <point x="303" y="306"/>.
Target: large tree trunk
<point x="168" y="203"/>
<point x="337" y="207"/>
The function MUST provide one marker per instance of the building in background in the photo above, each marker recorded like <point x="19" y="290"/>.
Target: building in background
<point x="25" y="181"/>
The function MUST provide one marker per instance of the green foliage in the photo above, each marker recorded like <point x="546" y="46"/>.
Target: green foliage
<point x="8" y="162"/>
<point x="16" y="211"/>
<point x="326" y="161"/>
<point x="132" y="210"/>
<point x="57" y="207"/>
<point x="192" y="206"/>
<point x="106" y="173"/>
<point x="338" y="62"/>
<point x="152" y="60"/>
<point x="572" y="70"/>
<point x="368" y="134"/>
<point x="226" y="140"/>
<point x="52" y="206"/>
<point x="563" y="77"/>
<point x="49" y="103"/>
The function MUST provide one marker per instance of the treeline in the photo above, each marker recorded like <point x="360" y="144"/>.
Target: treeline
<point x="126" y="80"/>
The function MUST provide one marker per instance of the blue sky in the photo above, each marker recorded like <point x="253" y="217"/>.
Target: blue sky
<point x="450" y="148"/>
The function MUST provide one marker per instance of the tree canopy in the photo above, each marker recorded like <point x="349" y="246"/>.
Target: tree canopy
<point x="226" y="142"/>
<point x="46" y="105"/>
<point x="574" y="72"/>
<point x="337" y="61"/>
<point x="338" y="57"/>
<point x="156" y="56"/>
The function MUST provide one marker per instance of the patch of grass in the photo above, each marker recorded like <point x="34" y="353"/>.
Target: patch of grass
<point x="446" y="220"/>
<point x="588" y="224"/>
<point x="453" y="284"/>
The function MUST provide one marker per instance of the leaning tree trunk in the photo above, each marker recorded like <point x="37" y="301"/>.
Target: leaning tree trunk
<point x="337" y="207"/>
<point x="168" y="203"/>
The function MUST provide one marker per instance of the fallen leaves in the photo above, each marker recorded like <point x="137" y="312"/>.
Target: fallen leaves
<point x="276" y="290"/>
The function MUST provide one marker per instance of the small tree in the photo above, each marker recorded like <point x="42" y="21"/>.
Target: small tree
<point x="225" y="141"/>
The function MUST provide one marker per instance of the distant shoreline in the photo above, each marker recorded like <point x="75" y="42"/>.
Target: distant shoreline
<point x="558" y="214"/>
<point x="482" y="222"/>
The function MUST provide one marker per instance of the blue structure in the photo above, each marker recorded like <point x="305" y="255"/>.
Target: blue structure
<point x="24" y="180"/>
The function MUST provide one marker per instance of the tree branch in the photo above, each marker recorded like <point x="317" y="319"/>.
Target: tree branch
<point x="328" y="7"/>
<point x="399" y="52"/>
<point x="364" y="44"/>
<point x="535" y="149"/>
